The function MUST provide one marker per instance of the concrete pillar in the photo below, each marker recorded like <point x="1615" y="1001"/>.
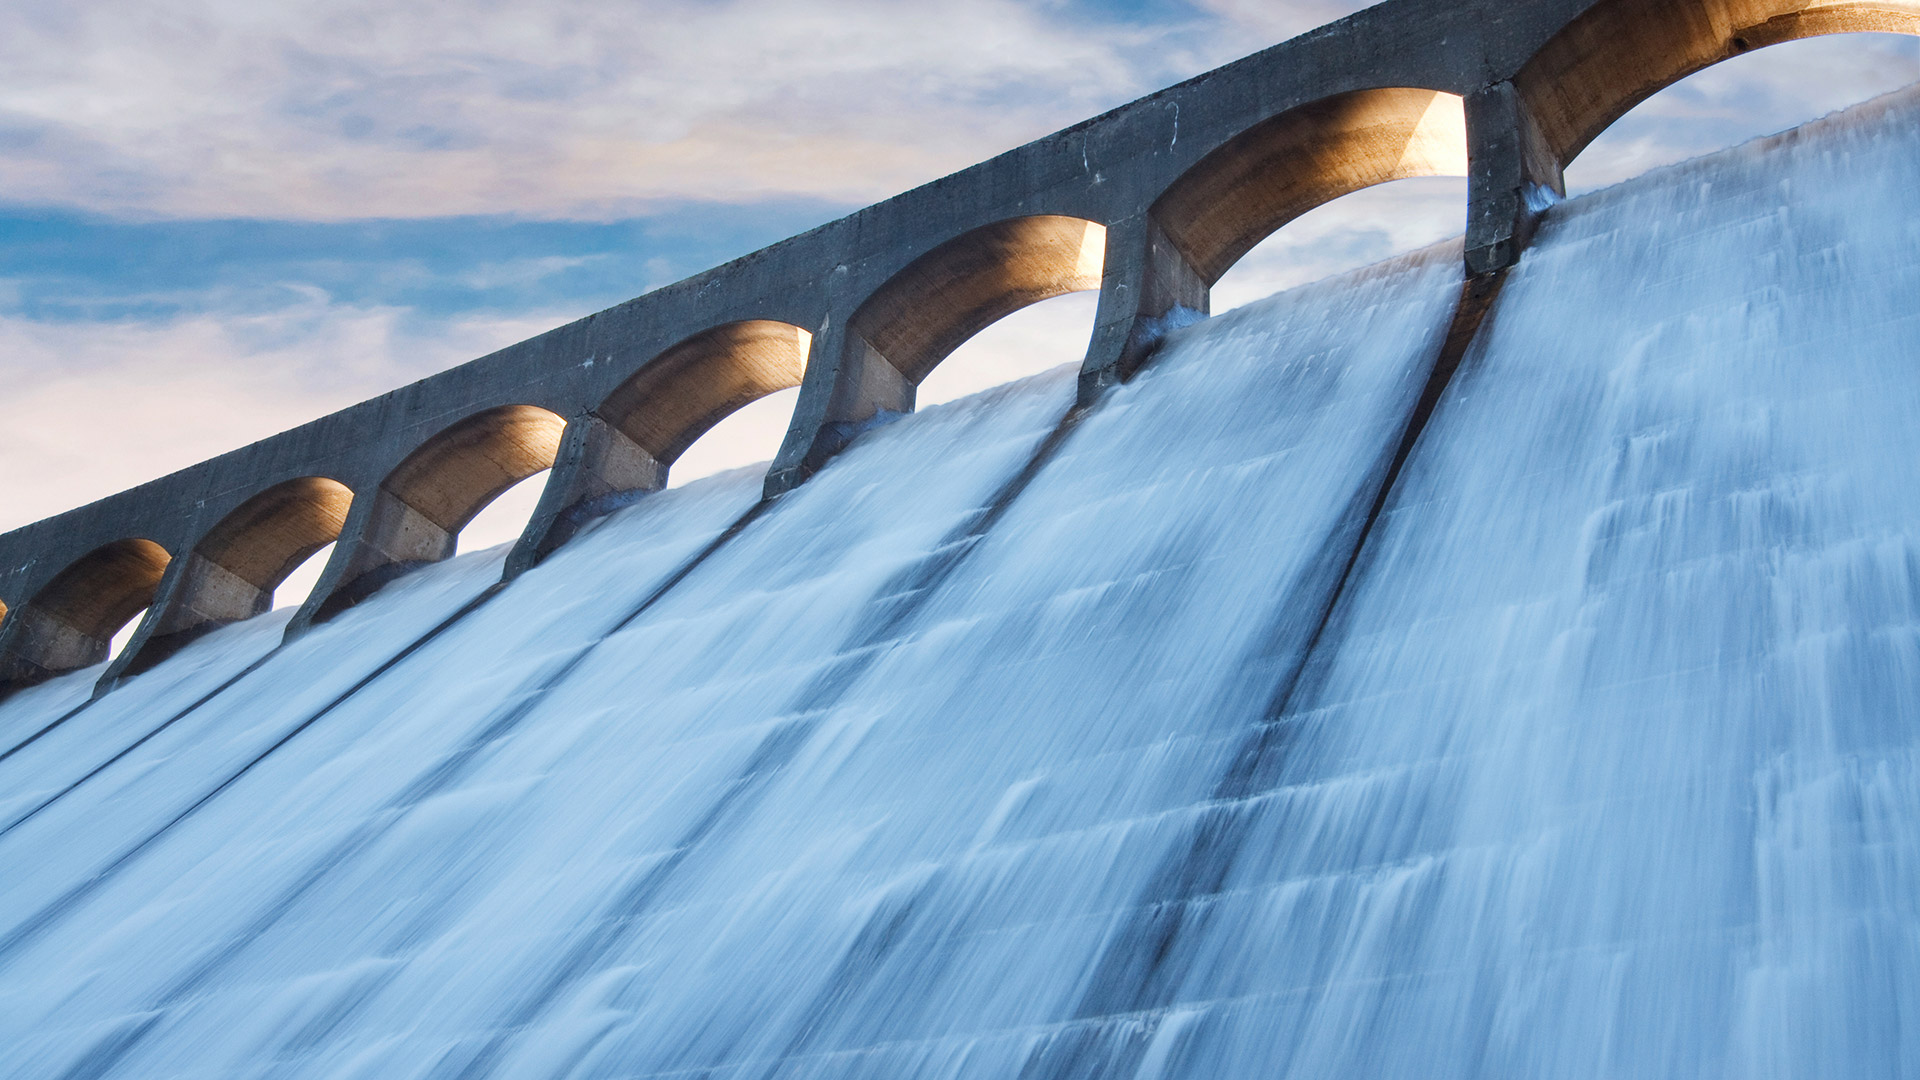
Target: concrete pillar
<point x="70" y="622"/>
<point x="35" y="647"/>
<point x="848" y="384"/>
<point x="1513" y="175"/>
<point x="383" y="539"/>
<point x="598" y="470"/>
<point x="196" y="596"/>
<point x="1147" y="287"/>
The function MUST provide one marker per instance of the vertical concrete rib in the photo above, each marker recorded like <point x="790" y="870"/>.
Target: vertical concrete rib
<point x="1147" y="287"/>
<point x="597" y="470"/>
<point x="1513" y="175"/>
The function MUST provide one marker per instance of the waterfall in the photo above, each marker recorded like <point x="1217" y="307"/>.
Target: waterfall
<point x="1161" y="739"/>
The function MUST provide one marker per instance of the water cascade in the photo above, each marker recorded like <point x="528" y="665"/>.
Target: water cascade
<point x="1161" y="739"/>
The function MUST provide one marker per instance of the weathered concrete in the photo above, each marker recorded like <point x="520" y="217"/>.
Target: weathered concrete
<point x="1149" y="203"/>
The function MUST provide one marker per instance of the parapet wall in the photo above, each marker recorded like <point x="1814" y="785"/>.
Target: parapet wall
<point x="1150" y="204"/>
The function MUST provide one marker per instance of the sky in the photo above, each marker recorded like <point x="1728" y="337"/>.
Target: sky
<point x="221" y="218"/>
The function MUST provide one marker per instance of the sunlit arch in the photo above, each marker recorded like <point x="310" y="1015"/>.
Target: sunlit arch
<point x="71" y="621"/>
<point x="966" y="284"/>
<point x="266" y="537"/>
<point x="232" y="573"/>
<point x="416" y="514"/>
<point x="457" y="472"/>
<point x="1621" y="52"/>
<point x="1303" y="158"/>
<point x="681" y="394"/>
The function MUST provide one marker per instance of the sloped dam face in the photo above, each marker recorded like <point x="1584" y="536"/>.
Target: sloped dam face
<point x="1163" y="742"/>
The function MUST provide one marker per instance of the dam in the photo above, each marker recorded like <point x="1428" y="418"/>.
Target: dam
<point x="1481" y="664"/>
<point x="1158" y="740"/>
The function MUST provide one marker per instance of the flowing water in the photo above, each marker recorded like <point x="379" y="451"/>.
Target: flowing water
<point x="1131" y="743"/>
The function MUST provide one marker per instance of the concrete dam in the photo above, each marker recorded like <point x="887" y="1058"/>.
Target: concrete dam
<point x="1502" y="661"/>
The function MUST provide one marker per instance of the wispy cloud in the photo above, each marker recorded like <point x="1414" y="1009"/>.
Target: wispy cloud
<point x="93" y="412"/>
<point x="570" y="108"/>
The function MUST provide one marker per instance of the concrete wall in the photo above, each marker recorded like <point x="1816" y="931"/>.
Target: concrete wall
<point x="1149" y="203"/>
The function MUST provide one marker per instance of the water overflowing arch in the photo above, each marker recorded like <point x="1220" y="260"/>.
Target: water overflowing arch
<point x="70" y="622"/>
<point x="1621" y="52"/>
<point x="1279" y="169"/>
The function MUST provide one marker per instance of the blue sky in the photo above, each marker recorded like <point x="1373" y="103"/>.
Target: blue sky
<point x="221" y="218"/>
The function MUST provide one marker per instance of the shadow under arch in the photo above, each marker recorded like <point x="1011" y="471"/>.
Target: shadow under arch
<point x="70" y="623"/>
<point x="416" y="514"/>
<point x="1271" y="173"/>
<point x="1621" y="52"/>
<point x="231" y="574"/>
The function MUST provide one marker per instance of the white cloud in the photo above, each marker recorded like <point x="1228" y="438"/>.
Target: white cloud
<point x="94" y="409"/>
<point x="215" y="108"/>
<point x="1280" y="21"/>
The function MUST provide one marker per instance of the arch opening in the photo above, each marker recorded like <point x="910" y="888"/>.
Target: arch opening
<point x="720" y="383"/>
<point x="504" y="517"/>
<point x="455" y="474"/>
<point x="262" y="541"/>
<point x="1622" y="52"/>
<point x="750" y="435"/>
<point x="124" y="636"/>
<point x="940" y="300"/>
<point x="1747" y="96"/>
<point x="71" y="622"/>
<point x="294" y="589"/>
<point x="1356" y="230"/>
<point x="1304" y="158"/>
<point x="1037" y="338"/>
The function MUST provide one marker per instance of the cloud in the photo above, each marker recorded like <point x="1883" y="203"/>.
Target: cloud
<point x="355" y="109"/>
<point x="94" y="412"/>
<point x="1280" y="21"/>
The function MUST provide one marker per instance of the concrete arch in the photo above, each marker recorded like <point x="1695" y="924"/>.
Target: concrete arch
<point x="269" y="535"/>
<point x="416" y="514"/>
<point x="968" y="283"/>
<point x="912" y="321"/>
<point x="231" y="574"/>
<point x="1621" y="52"/>
<point x="682" y="393"/>
<point x="457" y="472"/>
<point x="626" y="446"/>
<point x="70" y="622"/>
<point x="1303" y="158"/>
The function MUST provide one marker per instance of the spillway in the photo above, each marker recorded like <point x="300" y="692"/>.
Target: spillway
<point x="1194" y="735"/>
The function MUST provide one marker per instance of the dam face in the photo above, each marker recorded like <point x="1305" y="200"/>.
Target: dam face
<point x="1268" y="718"/>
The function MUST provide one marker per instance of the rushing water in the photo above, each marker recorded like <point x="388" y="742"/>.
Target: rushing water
<point x="1027" y="744"/>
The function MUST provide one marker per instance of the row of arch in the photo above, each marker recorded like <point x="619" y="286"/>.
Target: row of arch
<point x="1588" y="75"/>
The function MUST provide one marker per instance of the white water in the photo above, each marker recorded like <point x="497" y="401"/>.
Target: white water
<point x="1603" y="766"/>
